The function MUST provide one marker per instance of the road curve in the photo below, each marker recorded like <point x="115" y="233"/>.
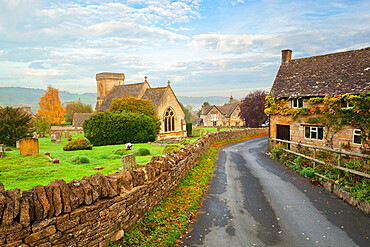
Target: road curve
<point x="255" y="201"/>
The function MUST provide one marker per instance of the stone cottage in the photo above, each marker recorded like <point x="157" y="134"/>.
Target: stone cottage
<point x="299" y="80"/>
<point x="226" y="115"/>
<point x="168" y="108"/>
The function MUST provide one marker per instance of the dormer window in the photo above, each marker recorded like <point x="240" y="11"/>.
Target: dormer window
<point x="297" y="103"/>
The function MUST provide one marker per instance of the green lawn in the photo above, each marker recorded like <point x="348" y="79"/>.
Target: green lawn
<point x="25" y="172"/>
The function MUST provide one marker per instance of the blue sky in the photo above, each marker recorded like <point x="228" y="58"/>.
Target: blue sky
<point x="204" y="47"/>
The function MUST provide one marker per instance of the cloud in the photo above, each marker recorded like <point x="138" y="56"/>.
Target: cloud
<point x="43" y="72"/>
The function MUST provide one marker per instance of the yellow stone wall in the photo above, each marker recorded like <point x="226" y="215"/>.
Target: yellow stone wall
<point x="105" y="83"/>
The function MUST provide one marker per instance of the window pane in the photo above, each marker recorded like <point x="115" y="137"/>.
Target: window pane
<point x="300" y="103"/>
<point x="320" y="133"/>
<point x="307" y="132"/>
<point x="165" y="124"/>
<point x="295" y="103"/>
<point x="313" y="133"/>
<point x="357" y="139"/>
<point x="173" y="124"/>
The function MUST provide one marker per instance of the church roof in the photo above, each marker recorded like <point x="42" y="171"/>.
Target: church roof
<point x="120" y="91"/>
<point x="330" y="74"/>
<point x="154" y="94"/>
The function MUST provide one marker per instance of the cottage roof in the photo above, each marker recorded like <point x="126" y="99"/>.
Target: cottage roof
<point x="226" y="109"/>
<point x="330" y="74"/>
<point x="154" y="94"/>
<point x="120" y="91"/>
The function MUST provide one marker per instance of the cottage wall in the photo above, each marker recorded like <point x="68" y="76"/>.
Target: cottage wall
<point x="235" y="120"/>
<point x="297" y="133"/>
<point x="98" y="209"/>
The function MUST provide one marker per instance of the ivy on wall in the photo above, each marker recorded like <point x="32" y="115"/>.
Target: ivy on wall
<point x="333" y="111"/>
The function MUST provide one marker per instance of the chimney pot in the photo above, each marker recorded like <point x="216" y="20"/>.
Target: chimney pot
<point x="286" y="56"/>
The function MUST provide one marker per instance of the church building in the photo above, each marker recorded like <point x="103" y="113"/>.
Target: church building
<point x="168" y="108"/>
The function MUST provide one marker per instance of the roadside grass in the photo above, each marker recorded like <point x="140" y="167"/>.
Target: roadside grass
<point x="25" y="172"/>
<point x="164" y="225"/>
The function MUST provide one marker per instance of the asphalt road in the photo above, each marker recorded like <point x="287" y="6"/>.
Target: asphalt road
<point x="255" y="201"/>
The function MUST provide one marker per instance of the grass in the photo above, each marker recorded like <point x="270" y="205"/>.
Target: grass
<point x="164" y="225"/>
<point x="25" y="172"/>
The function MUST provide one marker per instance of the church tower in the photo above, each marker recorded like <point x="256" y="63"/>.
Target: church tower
<point x="105" y="83"/>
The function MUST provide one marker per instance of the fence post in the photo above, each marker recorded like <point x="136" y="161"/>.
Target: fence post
<point x="339" y="161"/>
<point x="314" y="156"/>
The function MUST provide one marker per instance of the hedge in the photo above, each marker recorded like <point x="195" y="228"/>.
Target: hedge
<point x="78" y="144"/>
<point x="109" y="128"/>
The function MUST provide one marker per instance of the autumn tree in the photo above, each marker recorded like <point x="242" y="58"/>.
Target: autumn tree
<point x="252" y="108"/>
<point x="141" y="106"/>
<point x="50" y="106"/>
<point x="15" y="124"/>
<point x="76" y="107"/>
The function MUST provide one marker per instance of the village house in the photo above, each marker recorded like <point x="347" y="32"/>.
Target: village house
<point x="225" y="116"/>
<point x="168" y="108"/>
<point x="300" y="83"/>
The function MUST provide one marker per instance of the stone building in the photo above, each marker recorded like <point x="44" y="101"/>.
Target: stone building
<point x="168" y="108"/>
<point x="300" y="79"/>
<point x="226" y="115"/>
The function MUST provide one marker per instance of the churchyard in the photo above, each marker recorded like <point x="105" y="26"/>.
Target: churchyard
<point x="25" y="172"/>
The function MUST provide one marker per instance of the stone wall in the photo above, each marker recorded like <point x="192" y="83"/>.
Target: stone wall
<point x="95" y="210"/>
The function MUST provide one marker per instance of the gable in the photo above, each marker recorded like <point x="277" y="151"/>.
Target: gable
<point x="331" y="74"/>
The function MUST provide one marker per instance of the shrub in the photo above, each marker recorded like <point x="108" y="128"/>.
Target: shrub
<point x="78" y="144"/>
<point x="170" y="148"/>
<point x="184" y="142"/>
<point x="308" y="172"/>
<point x="142" y="152"/>
<point x="189" y="128"/>
<point x="121" y="151"/>
<point x="109" y="128"/>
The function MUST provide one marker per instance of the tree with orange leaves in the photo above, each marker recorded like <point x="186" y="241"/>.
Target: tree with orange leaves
<point x="51" y="107"/>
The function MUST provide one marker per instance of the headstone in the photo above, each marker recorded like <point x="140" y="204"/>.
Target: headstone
<point x="29" y="146"/>
<point x="58" y="139"/>
<point x="67" y="134"/>
<point x="35" y="134"/>
<point x="41" y="135"/>
<point x="2" y="151"/>
<point x="17" y="144"/>
<point x="128" y="161"/>
<point x="53" y="137"/>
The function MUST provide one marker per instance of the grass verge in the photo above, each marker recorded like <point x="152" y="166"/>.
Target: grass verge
<point x="164" y="225"/>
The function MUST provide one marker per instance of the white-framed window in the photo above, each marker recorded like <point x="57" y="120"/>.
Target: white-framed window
<point x="297" y="103"/>
<point x="214" y="123"/>
<point x="311" y="132"/>
<point x="213" y="117"/>
<point x="357" y="136"/>
<point x="345" y="104"/>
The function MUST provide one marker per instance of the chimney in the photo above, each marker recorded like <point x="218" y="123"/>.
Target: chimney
<point x="231" y="99"/>
<point x="286" y="56"/>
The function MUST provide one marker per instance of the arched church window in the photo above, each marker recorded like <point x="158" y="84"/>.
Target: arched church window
<point x="169" y="120"/>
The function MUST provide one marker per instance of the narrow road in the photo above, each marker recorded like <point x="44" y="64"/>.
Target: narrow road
<point x="255" y="201"/>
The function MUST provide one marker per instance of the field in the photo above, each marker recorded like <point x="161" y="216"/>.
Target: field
<point x="25" y="172"/>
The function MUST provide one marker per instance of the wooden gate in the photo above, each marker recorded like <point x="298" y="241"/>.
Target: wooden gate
<point x="283" y="132"/>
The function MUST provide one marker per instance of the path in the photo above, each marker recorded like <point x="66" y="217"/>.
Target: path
<point x="255" y="201"/>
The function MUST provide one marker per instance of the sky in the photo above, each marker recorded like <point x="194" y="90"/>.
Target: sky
<point x="203" y="47"/>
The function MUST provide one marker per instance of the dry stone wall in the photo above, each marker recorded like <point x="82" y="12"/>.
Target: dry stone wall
<point x="95" y="210"/>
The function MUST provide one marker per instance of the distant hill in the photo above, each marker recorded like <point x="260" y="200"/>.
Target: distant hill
<point x="20" y="96"/>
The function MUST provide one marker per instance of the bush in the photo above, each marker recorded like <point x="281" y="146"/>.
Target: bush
<point x="189" y="128"/>
<point x="121" y="151"/>
<point x="184" y="142"/>
<point x="170" y="148"/>
<point x="78" y="144"/>
<point x="308" y="172"/>
<point x="142" y="152"/>
<point x="109" y="128"/>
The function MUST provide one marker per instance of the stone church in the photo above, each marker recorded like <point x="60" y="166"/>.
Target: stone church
<point x="168" y="108"/>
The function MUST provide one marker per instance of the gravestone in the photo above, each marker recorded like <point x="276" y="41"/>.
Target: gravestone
<point x="35" y="134"/>
<point x="67" y="134"/>
<point x="53" y="137"/>
<point x="41" y="135"/>
<point x="17" y="144"/>
<point x="29" y="146"/>
<point x="58" y="139"/>
<point x="128" y="161"/>
<point x="2" y="151"/>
